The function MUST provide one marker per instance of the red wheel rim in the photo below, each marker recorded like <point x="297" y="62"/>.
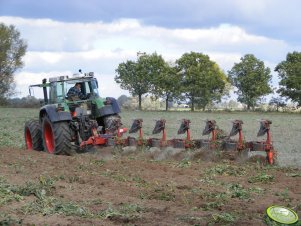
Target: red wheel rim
<point x="48" y="137"/>
<point x="270" y="157"/>
<point x="28" y="139"/>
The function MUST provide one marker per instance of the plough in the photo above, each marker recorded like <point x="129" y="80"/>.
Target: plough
<point x="216" y="139"/>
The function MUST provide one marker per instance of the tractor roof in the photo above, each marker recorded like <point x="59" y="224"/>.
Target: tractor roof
<point x="76" y="76"/>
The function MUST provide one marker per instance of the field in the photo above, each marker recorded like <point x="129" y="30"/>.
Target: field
<point x="133" y="187"/>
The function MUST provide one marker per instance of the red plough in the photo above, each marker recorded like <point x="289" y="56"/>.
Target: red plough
<point x="210" y="128"/>
<point x="136" y="126"/>
<point x="233" y="145"/>
<point x="114" y="132"/>
<point x="183" y="143"/>
<point x="159" y="127"/>
<point x="266" y="145"/>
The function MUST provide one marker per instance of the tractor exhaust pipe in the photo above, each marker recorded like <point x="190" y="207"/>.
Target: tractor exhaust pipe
<point x="45" y="91"/>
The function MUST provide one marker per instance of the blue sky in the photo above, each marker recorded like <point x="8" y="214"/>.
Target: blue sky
<point x="63" y="36"/>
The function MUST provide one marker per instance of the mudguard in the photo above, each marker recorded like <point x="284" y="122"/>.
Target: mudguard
<point x="111" y="108"/>
<point x="53" y="114"/>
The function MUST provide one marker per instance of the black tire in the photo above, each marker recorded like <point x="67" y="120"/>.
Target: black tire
<point x="57" y="137"/>
<point x="33" y="135"/>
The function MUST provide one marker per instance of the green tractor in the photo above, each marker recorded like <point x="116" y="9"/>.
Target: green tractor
<point x="68" y="124"/>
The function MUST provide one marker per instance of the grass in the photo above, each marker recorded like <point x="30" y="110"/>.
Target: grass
<point x="43" y="203"/>
<point x="261" y="178"/>
<point x="7" y="193"/>
<point x="225" y="170"/>
<point x="284" y="196"/>
<point x="238" y="191"/>
<point x="125" y="212"/>
<point x="6" y="220"/>
<point x="224" y="218"/>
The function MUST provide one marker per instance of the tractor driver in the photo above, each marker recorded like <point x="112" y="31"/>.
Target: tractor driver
<point x="75" y="93"/>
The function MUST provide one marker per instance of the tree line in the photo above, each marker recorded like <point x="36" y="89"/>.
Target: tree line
<point x="194" y="77"/>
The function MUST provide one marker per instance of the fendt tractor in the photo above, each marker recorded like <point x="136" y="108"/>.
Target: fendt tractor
<point x="68" y="124"/>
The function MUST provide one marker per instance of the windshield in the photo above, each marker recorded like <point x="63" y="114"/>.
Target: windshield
<point x="87" y="87"/>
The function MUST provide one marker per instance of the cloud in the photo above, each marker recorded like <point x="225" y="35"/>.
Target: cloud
<point x="270" y="18"/>
<point x="61" y="47"/>
<point x="130" y="34"/>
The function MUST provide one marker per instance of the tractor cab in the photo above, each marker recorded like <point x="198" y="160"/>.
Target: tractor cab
<point x="59" y="87"/>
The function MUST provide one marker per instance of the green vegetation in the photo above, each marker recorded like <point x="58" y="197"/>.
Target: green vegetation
<point x="289" y="73"/>
<point x="223" y="218"/>
<point x="13" y="48"/>
<point x="262" y="177"/>
<point x="137" y="77"/>
<point x="251" y="78"/>
<point x="225" y="169"/>
<point x="202" y="80"/>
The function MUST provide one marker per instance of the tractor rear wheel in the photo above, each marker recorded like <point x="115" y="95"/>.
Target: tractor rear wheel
<point x="33" y="135"/>
<point x="57" y="137"/>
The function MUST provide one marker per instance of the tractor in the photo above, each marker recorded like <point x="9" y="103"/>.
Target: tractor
<point x="68" y="124"/>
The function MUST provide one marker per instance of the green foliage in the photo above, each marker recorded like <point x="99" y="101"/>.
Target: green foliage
<point x="223" y="218"/>
<point x="289" y="73"/>
<point x="12" y="49"/>
<point x="202" y="80"/>
<point x="167" y="85"/>
<point x="284" y="196"/>
<point x="225" y="169"/>
<point x="263" y="177"/>
<point x="6" y="220"/>
<point x="251" y="78"/>
<point x="184" y="163"/>
<point x="48" y="205"/>
<point x="237" y="191"/>
<point x="137" y="77"/>
<point x="277" y="102"/>
<point x="7" y="193"/>
<point x="127" y="212"/>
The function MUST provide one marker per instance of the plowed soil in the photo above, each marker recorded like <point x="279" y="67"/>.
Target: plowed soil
<point x="130" y="187"/>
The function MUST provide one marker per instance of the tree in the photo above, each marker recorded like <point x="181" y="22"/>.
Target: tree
<point x="167" y="85"/>
<point x="122" y="100"/>
<point x="137" y="76"/>
<point x="277" y="102"/>
<point x="202" y="80"/>
<point x="289" y="72"/>
<point x="251" y="78"/>
<point x="12" y="49"/>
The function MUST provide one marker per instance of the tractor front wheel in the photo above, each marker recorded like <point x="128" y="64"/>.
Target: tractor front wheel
<point x="57" y="137"/>
<point x="33" y="135"/>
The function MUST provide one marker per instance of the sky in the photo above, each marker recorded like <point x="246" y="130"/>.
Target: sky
<point x="97" y="35"/>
